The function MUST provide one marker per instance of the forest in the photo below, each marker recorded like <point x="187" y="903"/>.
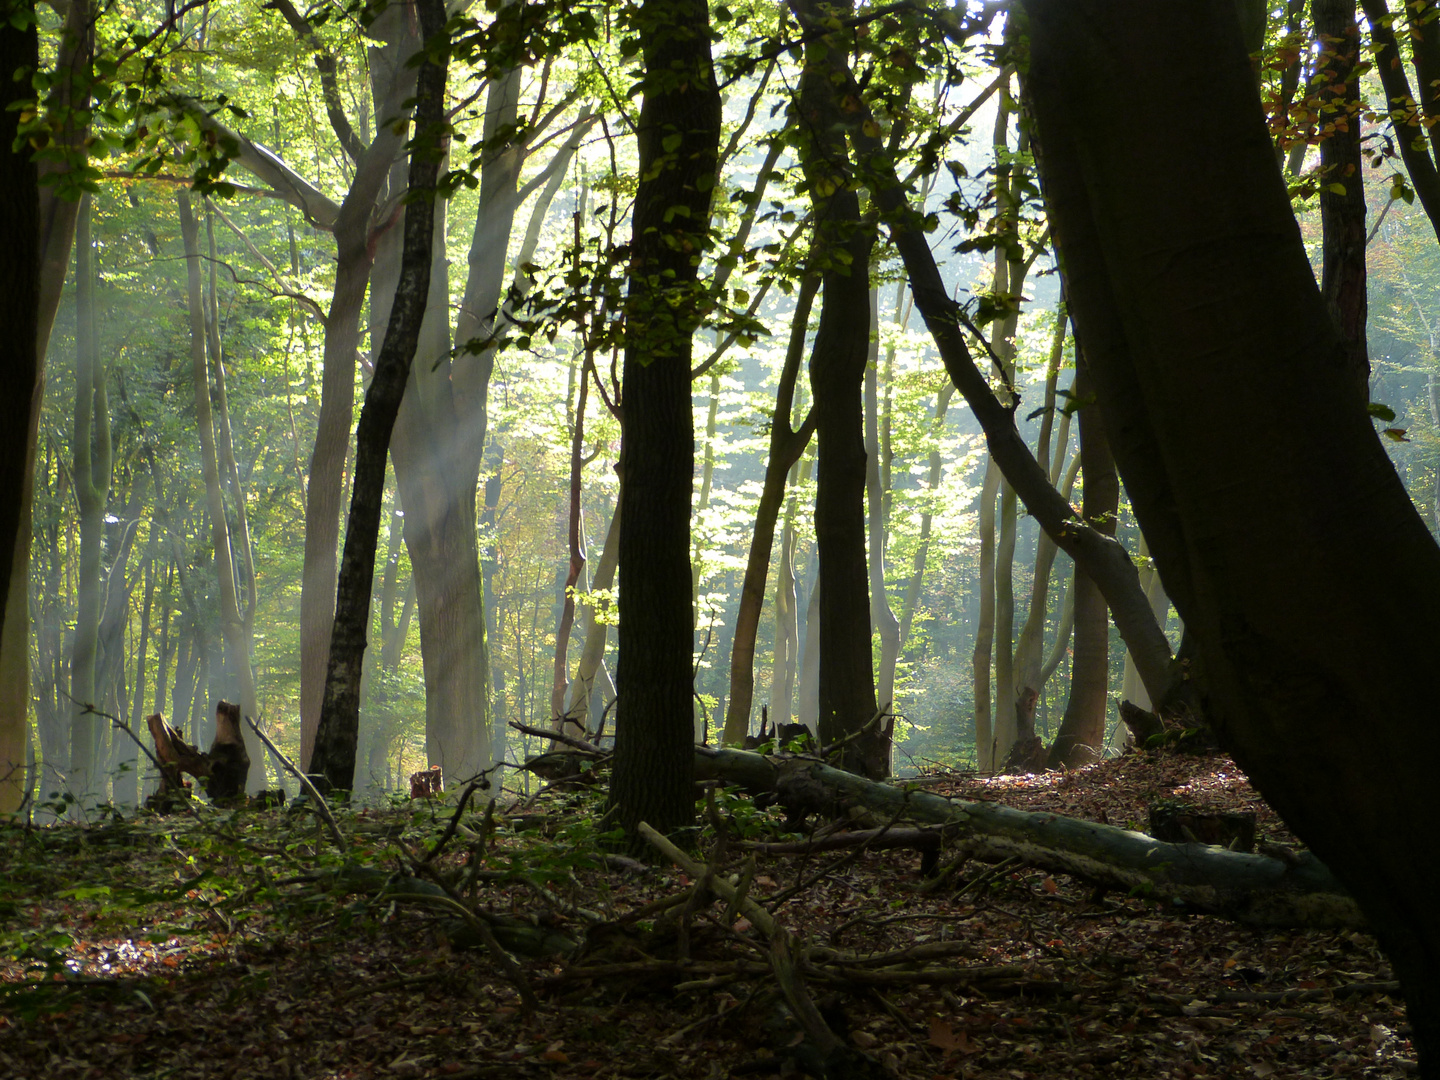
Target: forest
<point x="568" y="452"/>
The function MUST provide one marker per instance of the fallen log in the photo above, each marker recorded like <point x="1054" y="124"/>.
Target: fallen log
<point x="1298" y="891"/>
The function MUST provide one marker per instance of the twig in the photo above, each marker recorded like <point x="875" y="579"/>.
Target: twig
<point x="758" y="916"/>
<point x="559" y="736"/>
<point x="321" y="806"/>
<point x="528" y="1000"/>
<point x="470" y="789"/>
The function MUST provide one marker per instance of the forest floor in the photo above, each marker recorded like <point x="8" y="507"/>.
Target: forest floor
<point x="219" y="945"/>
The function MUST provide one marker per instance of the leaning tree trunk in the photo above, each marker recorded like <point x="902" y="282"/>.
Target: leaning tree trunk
<point x="786" y="446"/>
<point x="335" y="740"/>
<point x="679" y="141"/>
<point x="354" y="255"/>
<point x="1285" y="539"/>
<point x="837" y="372"/>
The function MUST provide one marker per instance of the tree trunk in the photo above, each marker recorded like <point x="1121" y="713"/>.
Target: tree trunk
<point x="1275" y="532"/>
<point x="232" y="624"/>
<point x="1028" y="686"/>
<point x="592" y="653"/>
<point x="354" y="253"/>
<point x="786" y="660"/>
<point x="335" y="740"/>
<point x="1105" y="560"/>
<point x="1342" y="211"/>
<point x="90" y="476"/>
<point x="786" y="446"/>
<point x="20" y="296"/>
<point x="679" y="140"/>
<point x="1082" y="729"/>
<point x="877" y="496"/>
<point x="987" y="756"/>
<point x="575" y="547"/>
<point x="837" y="371"/>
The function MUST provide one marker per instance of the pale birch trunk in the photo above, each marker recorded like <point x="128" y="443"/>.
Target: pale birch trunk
<point x="882" y="616"/>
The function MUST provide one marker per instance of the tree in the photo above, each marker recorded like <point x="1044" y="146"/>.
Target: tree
<point x="338" y="733"/>
<point x="678" y="136"/>
<point x="19" y="362"/>
<point x="1283" y="534"/>
<point x="838" y="357"/>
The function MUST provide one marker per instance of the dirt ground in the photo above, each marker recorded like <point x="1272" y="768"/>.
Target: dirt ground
<point x="221" y="945"/>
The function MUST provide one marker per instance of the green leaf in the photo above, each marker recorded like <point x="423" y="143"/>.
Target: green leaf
<point x="1380" y="411"/>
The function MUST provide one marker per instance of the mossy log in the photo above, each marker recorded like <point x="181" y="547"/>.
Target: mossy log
<point x="1296" y="891"/>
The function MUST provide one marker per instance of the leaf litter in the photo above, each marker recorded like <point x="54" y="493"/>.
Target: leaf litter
<point x="244" y="945"/>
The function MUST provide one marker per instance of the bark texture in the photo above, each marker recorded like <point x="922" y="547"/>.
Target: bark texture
<point x="1276" y="533"/>
<point x="679" y="141"/>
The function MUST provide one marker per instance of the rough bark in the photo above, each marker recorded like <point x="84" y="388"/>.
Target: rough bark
<point x="335" y="740"/>
<point x="1082" y="729"/>
<point x="67" y="111"/>
<point x="841" y="252"/>
<point x="786" y="446"/>
<point x="678" y="139"/>
<point x="1410" y="128"/>
<point x="1275" y="533"/>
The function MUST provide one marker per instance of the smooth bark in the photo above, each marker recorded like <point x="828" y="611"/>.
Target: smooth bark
<point x="90" y="468"/>
<point x="1082" y="728"/>
<point x="786" y="445"/>
<point x="1277" y="534"/>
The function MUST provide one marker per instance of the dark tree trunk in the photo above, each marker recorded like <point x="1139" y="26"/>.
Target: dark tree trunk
<point x="1342" y="212"/>
<point x="1105" y="561"/>
<point x="679" y="140"/>
<point x="1286" y="540"/>
<point x="1082" y="729"/>
<point x="837" y="376"/>
<point x="335" y="741"/>
<point x="19" y="349"/>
